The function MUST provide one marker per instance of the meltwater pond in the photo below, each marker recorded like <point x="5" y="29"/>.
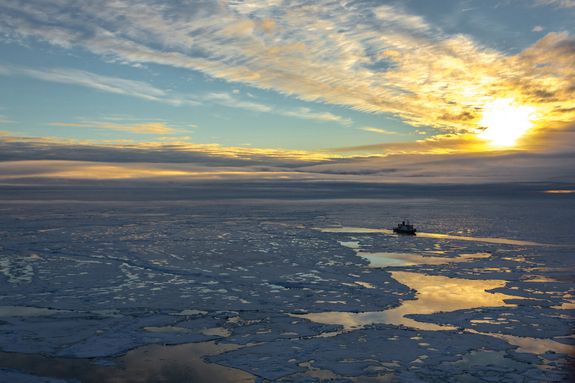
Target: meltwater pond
<point x="410" y="259"/>
<point x="434" y="294"/>
<point x="154" y="363"/>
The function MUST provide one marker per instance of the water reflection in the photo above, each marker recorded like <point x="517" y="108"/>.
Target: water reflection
<point x="28" y="311"/>
<point x="168" y="329"/>
<point x="434" y="294"/>
<point x="567" y="278"/>
<point x="364" y="230"/>
<point x="154" y="363"/>
<point x="409" y="259"/>
<point x="565" y="306"/>
<point x="532" y="345"/>
<point x="480" y="358"/>
<point x="387" y="259"/>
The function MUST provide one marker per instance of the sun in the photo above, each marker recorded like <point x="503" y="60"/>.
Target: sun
<point x="505" y="122"/>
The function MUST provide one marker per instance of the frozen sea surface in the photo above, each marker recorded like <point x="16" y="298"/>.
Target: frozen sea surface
<point x="287" y="291"/>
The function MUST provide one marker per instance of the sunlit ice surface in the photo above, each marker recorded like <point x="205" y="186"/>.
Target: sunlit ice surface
<point x="505" y="122"/>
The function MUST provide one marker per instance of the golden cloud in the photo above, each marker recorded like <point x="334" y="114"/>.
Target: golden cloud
<point x="140" y="128"/>
<point x="115" y="171"/>
<point x="439" y="144"/>
<point x="179" y="149"/>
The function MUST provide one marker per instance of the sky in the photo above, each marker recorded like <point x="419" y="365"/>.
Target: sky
<point x="418" y="91"/>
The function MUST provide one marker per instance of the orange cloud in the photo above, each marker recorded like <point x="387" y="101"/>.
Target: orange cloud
<point x="439" y="144"/>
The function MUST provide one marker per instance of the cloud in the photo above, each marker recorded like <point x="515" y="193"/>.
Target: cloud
<point x="460" y="169"/>
<point x="380" y="59"/>
<point x="5" y="120"/>
<point x="376" y="130"/>
<point x="374" y="59"/>
<point x="438" y="144"/>
<point x="149" y="92"/>
<point x="91" y="80"/>
<point x="557" y="3"/>
<point x="227" y="99"/>
<point x="308" y="114"/>
<point x="538" y="28"/>
<point x="140" y="128"/>
<point x="397" y="18"/>
<point x="38" y="149"/>
<point x="231" y="100"/>
<point x="91" y="171"/>
<point x="426" y="162"/>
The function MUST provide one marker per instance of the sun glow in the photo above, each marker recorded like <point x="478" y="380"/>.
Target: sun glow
<point x="505" y="121"/>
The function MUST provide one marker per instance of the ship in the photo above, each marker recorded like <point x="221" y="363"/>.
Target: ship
<point x="405" y="228"/>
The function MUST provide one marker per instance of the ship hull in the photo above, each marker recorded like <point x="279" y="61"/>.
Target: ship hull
<point x="406" y="232"/>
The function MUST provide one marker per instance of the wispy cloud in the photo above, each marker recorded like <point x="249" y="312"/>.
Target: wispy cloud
<point x="231" y="101"/>
<point x="308" y="114"/>
<point x="5" y="120"/>
<point x="149" y="92"/>
<point x="557" y="3"/>
<point x="376" y="130"/>
<point x="95" y="81"/>
<point x="140" y="128"/>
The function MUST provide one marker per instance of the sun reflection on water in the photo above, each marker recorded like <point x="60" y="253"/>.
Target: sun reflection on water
<point x="434" y="294"/>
